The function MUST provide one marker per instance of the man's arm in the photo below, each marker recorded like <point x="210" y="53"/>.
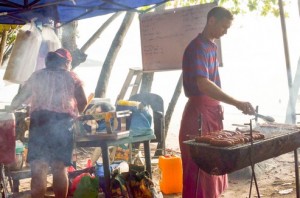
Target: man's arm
<point x="213" y="91"/>
<point x="20" y="98"/>
<point x="81" y="98"/>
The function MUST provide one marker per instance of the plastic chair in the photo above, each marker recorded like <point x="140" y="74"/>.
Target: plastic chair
<point x="156" y="103"/>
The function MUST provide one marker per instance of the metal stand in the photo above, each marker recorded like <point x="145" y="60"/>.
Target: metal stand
<point x="297" y="172"/>
<point x="200" y="124"/>
<point x="253" y="172"/>
<point x="3" y="183"/>
<point x="252" y="165"/>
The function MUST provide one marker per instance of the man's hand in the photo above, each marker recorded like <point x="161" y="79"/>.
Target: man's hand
<point x="246" y="108"/>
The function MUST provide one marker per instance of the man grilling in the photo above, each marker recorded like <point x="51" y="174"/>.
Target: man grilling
<point x="202" y="86"/>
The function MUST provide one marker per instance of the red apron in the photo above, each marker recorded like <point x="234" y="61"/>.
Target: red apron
<point x="197" y="183"/>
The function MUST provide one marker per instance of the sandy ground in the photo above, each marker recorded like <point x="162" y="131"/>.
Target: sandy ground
<point x="275" y="178"/>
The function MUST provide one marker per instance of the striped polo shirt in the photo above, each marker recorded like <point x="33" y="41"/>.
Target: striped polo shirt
<point x="199" y="59"/>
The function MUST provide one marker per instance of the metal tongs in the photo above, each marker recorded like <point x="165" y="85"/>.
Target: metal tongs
<point x="264" y="117"/>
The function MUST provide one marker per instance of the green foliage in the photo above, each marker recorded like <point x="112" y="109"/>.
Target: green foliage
<point x="10" y="40"/>
<point x="12" y="35"/>
<point x="266" y="6"/>
<point x="261" y="7"/>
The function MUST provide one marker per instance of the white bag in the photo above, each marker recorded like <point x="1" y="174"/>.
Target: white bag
<point x="50" y="42"/>
<point x="23" y="59"/>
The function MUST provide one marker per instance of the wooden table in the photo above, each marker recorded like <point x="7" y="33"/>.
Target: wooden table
<point x="104" y="144"/>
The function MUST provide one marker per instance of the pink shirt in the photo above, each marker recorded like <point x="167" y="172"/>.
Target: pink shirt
<point x="51" y="89"/>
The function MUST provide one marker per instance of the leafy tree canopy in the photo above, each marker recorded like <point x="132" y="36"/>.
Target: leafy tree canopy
<point x="262" y="7"/>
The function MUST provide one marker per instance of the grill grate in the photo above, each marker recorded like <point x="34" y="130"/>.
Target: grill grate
<point x="214" y="160"/>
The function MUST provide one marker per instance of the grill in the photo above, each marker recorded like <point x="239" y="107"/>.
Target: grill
<point x="279" y="139"/>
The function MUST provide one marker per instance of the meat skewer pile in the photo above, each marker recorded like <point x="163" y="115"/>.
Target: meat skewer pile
<point x="229" y="138"/>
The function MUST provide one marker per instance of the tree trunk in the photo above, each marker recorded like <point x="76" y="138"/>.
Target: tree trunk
<point x="291" y="107"/>
<point x="2" y="45"/>
<point x="68" y="39"/>
<point x="103" y="79"/>
<point x="7" y="54"/>
<point x="169" y="114"/>
<point x="97" y="34"/>
<point x="172" y="104"/>
<point x="69" y="42"/>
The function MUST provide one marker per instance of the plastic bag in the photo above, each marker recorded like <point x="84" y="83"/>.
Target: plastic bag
<point x="23" y="58"/>
<point x="49" y="43"/>
<point x="140" y="120"/>
<point x="87" y="187"/>
<point x="141" y="185"/>
<point x="118" y="167"/>
<point x="133" y="184"/>
<point x="75" y="177"/>
<point x="119" y="186"/>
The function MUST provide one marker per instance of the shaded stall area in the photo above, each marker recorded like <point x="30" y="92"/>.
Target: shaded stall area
<point x="58" y="13"/>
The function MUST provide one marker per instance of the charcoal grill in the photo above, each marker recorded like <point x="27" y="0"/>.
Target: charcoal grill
<point x="221" y="160"/>
<point x="279" y="139"/>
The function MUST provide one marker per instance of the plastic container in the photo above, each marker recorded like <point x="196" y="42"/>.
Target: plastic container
<point x="19" y="147"/>
<point x="7" y="138"/>
<point x="171" y="174"/>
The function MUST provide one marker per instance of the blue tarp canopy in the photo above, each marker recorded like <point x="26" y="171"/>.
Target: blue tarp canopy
<point x="64" y="11"/>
